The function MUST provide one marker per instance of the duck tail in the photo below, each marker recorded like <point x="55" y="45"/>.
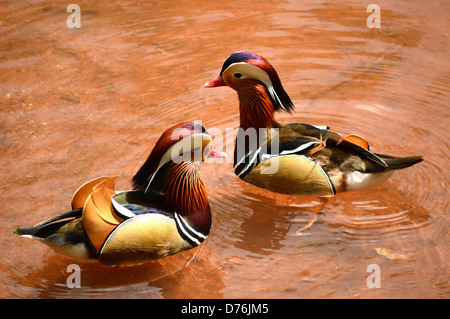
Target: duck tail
<point x="400" y="162"/>
<point x="48" y="227"/>
<point x="25" y="231"/>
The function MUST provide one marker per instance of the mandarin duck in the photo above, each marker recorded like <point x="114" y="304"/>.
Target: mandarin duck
<point x="165" y="213"/>
<point x="305" y="159"/>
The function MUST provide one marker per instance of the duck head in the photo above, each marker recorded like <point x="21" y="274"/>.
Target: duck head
<point x="184" y="145"/>
<point x="258" y="86"/>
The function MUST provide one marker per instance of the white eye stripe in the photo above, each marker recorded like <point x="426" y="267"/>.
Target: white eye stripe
<point x="249" y="70"/>
<point x="185" y="144"/>
<point x="254" y="72"/>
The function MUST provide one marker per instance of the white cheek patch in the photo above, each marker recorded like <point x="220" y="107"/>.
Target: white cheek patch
<point x="249" y="71"/>
<point x="181" y="151"/>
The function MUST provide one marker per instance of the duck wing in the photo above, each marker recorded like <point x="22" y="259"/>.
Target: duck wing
<point x="350" y="153"/>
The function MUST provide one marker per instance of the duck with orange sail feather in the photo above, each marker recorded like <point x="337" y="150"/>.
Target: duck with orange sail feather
<point x="310" y="160"/>
<point x="167" y="211"/>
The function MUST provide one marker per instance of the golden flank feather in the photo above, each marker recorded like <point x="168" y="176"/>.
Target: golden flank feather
<point x="294" y="175"/>
<point x="143" y="238"/>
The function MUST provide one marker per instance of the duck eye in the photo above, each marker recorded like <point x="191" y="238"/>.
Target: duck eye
<point x="237" y="75"/>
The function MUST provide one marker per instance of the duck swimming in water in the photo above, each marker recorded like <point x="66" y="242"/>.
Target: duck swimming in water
<point x="167" y="211"/>
<point x="309" y="159"/>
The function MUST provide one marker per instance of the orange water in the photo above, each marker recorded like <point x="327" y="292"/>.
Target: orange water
<point x="81" y="103"/>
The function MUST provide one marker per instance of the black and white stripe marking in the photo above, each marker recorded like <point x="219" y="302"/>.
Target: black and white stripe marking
<point x="121" y="211"/>
<point x="187" y="232"/>
<point x="248" y="162"/>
